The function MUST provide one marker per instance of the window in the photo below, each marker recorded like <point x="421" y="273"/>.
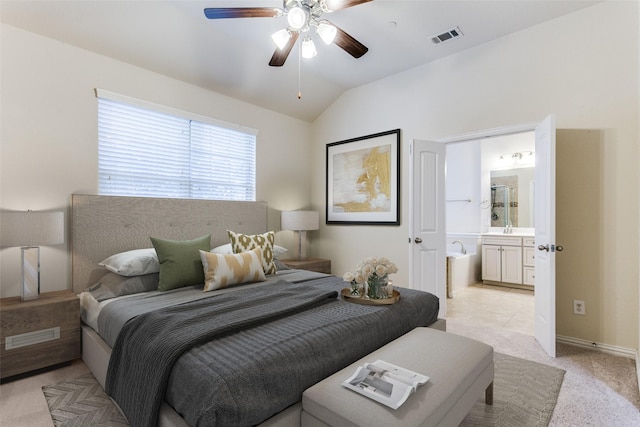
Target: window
<point x="146" y="150"/>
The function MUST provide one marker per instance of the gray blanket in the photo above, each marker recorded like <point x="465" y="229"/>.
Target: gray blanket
<point x="113" y="316"/>
<point x="244" y="378"/>
<point x="148" y="345"/>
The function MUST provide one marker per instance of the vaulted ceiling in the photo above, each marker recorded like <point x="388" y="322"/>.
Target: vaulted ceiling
<point x="231" y="56"/>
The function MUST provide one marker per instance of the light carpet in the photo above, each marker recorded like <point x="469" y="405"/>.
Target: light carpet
<point x="524" y="394"/>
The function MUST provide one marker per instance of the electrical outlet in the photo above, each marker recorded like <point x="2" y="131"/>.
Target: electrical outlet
<point x="578" y="307"/>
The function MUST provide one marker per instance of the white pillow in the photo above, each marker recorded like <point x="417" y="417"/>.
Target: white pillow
<point x="222" y="270"/>
<point x="227" y="249"/>
<point x="133" y="263"/>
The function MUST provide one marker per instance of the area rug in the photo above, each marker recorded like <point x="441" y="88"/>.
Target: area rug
<point x="81" y="402"/>
<point x="524" y="394"/>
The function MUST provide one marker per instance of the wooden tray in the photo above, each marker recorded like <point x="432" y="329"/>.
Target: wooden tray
<point x="357" y="299"/>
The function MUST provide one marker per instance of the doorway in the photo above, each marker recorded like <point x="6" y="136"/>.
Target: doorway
<point x="489" y="186"/>
<point x="543" y="244"/>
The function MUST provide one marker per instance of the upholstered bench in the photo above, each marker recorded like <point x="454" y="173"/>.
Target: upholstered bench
<point x="460" y="370"/>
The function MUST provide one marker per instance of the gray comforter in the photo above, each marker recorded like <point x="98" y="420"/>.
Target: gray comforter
<point x="254" y="358"/>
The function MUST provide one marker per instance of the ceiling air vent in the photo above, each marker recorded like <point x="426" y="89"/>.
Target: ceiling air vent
<point x="448" y="35"/>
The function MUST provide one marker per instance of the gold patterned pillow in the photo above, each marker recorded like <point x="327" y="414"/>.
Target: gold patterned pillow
<point x="244" y="242"/>
<point x="222" y="270"/>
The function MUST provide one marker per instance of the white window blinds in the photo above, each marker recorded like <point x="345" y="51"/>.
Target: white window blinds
<point x="147" y="153"/>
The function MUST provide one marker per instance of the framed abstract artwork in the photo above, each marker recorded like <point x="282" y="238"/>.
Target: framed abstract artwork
<point x="363" y="180"/>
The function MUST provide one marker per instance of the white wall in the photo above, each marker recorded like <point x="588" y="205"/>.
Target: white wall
<point x="463" y="183"/>
<point x="48" y="137"/>
<point x="583" y="68"/>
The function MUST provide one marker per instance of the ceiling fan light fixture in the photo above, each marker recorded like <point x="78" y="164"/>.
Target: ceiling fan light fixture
<point x="327" y="32"/>
<point x="297" y="17"/>
<point x="281" y="38"/>
<point x="308" y="48"/>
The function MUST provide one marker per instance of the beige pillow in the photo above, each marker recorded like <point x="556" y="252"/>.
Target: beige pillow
<point x="246" y="242"/>
<point x="222" y="270"/>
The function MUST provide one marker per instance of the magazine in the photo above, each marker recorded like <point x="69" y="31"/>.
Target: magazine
<point x="384" y="382"/>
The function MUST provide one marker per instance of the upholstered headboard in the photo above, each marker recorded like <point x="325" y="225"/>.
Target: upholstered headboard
<point x="104" y="225"/>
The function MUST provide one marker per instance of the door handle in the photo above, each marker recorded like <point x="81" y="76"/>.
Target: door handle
<point x="417" y="240"/>
<point x="553" y="248"/>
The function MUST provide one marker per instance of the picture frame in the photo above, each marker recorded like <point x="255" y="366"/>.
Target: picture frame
<point x="363" y="180"/>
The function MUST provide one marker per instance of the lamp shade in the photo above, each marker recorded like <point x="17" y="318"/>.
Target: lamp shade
<point x="297" y="17"/>
<point x="281" y="38"/>
<point x="300" y="220"/>
<point x="308" y="48"/>
<point x="327" y="32"/>
<point x="31" y="228"/>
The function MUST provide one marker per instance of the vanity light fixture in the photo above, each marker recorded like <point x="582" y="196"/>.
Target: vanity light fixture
<point x="519" y="158"/>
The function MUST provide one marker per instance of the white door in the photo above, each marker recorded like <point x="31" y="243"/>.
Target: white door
<point x="428" y="231"/>
<point x="545" y="226"/>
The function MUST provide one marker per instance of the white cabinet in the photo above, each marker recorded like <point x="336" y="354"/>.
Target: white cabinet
<point x="492" y="263"/>
<point x="512" y="264"/>
<point x="528" y="261"/>
<point x="508" y="259"/>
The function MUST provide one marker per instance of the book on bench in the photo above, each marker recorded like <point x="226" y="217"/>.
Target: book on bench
<point x="385" y="382"/>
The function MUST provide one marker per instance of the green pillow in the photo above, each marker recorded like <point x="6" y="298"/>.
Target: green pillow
<point x="180" y="263"/>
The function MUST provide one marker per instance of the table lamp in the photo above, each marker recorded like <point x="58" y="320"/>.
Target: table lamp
<point x="30" y="230"/>
<point x="300" y="222"/>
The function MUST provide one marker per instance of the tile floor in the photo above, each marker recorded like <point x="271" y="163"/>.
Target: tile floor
<point x="494" y="306"/>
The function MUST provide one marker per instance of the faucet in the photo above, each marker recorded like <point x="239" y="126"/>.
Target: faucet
<point x="508" y="229"/>
<point x="462" y="249"/>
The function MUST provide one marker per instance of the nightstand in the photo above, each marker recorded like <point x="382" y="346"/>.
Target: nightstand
<point x="38" y="333"/>
<point x="312" y="264"/>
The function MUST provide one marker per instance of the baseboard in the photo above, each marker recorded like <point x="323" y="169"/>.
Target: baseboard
<point x="605" y="348"/>
<point x="638" y="368"/>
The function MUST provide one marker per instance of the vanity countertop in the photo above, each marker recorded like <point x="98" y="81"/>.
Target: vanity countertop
<point x="514" y="234"/>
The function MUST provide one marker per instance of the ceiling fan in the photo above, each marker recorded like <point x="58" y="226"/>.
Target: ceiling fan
<point x="302" y="16"/>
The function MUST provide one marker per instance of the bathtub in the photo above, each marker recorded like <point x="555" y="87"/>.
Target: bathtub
<point x="463" y="269"/>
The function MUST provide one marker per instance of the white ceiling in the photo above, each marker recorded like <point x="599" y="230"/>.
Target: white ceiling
<point x="230" y="56"/>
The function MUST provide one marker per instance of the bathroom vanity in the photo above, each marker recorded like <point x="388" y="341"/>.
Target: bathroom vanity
<point x="508" y="259"/>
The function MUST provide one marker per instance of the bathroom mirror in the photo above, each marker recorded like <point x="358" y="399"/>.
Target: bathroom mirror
<point x="512" y="195"/>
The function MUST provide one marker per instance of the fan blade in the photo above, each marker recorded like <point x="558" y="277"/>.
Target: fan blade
<point x="280" y="55"/>
<point x="350" y="45"/>
<point x="241" y="12"/>
<point x="343" y="4"/>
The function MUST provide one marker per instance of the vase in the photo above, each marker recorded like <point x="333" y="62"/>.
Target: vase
<point x="377" y="287"/>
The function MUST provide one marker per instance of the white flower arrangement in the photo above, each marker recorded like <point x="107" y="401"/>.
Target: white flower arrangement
<point x="370" y="268"/>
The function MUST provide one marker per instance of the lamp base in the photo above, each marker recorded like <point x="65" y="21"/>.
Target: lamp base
<point x="301" y="252"/>
<point x="30" y="273"/>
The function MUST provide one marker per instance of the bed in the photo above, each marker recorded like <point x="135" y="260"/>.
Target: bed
<point x="255" y="347"/>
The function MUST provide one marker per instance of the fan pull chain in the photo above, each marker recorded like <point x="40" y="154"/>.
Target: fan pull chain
<point x="299" y="61"/>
